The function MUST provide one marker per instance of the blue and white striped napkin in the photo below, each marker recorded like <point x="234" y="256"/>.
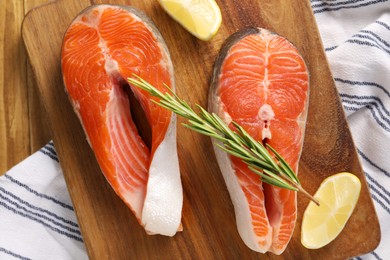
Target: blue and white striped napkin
<point x="37" y="217"/>
<point x="37" y="220"/>
<point x="356" y="37"/>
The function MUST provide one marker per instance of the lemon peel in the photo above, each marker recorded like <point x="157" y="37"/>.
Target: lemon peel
<point x="202" y="18"/>
<point x="338" y="195"/>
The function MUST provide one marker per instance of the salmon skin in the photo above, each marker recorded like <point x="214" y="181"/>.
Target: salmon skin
<point x="261" y="82"/>
<point x="105" y="45"/>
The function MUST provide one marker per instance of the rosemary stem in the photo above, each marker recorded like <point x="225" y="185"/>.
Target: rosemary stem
<point x="238" y="143"/>
<point x="301" y="189"/>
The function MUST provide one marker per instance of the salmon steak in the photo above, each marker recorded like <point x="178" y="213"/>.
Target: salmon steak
<point x="103" y="47"/>
<point x="261" y="82"/>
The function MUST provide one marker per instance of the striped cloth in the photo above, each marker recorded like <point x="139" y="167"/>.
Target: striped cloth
<point x="37" y="217"/>
<point x="37" y="220"/>
<point x="356" y="37"/>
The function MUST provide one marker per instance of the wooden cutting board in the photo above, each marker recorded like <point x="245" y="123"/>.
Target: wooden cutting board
<point x="110" y="231"/>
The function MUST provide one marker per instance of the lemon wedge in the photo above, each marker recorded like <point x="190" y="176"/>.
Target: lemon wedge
<point x="338" y="195"/>
<point x="201" y="18"/>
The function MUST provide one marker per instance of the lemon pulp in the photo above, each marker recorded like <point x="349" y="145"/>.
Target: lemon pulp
<point x="201" y="18"/>
<point x="338" y="195"/>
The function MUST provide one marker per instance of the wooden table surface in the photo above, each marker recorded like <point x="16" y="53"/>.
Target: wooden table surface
<point x="23" y="123"/>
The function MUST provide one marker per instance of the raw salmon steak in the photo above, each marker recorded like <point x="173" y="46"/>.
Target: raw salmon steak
<point x="104" y="46"/>
<point x="261" y="82"/>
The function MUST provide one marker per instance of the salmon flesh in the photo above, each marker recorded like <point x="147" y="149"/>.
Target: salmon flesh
<point x="102" y="48"/>
<point x="261" y="82"/>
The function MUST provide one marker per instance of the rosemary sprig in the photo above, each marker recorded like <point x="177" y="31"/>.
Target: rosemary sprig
<point x="239" y="143"/>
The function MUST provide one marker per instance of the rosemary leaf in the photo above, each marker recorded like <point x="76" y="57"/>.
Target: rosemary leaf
<point x="256" y="163"/>
<point x="270" y="180"/>
<point x="236" y="143"/>
<point x="232" y="152"/>
<point x="286" y="167"/>
<point x="199" y="130"/>
<point x="276" y="177"/>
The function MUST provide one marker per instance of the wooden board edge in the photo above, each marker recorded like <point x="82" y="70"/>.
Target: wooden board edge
<point x="377" y="231"/>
